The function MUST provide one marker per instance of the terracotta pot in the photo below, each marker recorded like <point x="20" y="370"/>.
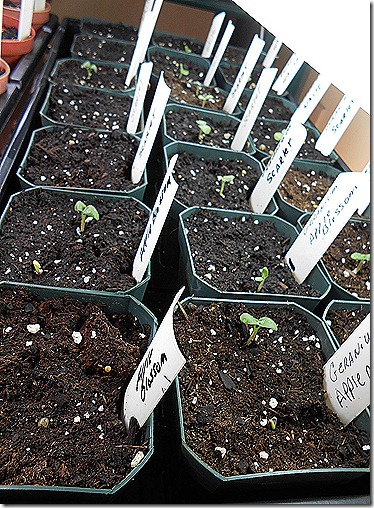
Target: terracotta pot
<point x="12" y="50"/>
<point x="39" y="18"/>
<point x="4" y="77"/>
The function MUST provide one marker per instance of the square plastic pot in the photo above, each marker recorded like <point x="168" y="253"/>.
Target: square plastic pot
<point x="126" y="47"/>
<point x="137" y="192"/>
<point x="211" y="154"/>
<point x="129" y="488"/>
<point x="229" y="121"/>
<point x="137" y="291"/>
<point x="113" y="30"/>
<point x="279" y="481"/>
<point x="337" y="291"/>
<point x="200" y="288"/>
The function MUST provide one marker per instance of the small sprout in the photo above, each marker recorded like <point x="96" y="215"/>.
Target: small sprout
<point x="224" y="179"/>
<point x="86" y="211"/>
<point x="279" y="135"/>
<point x="182" y="71"/>
<point x="197" y="91"/>
<point x="273" y="422"/>
<point x="361" y="258"/>
<point x="261" y="280"/>
<point x="204" y="98"/>
<point x="43" y="422"/>
<point x="204" y="129"/>
<point x="90" y="68"/>
<point x="187" y="49"/>
<point x="263" y="322"/>
<point x="37" y="267"/>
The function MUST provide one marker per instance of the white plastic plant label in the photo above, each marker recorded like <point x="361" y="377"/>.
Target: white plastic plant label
<point x="253" y="108"/>
<point x="367" y="168"/>
<point x="348" y="193"/>
<point x="311" y="99"/>
<point x="147" y="7"/>
<point x="155" y="114"/>
<point x="272" y="53"/>
<point x="25" y="19"/>
<point x="219" y="53"/>
<point x="139" y="97"/>
<point x="155" y="373"/>
<point x="288" y="73"/>
<point x="244" y="73"/>
<point x="215" y="27"/>
<point x="39" y="5"/>
<point x="156" y="222"/>
<point x="337" y="125"/>
<point x="347" y="375"/>
<point x="280" y="162"/>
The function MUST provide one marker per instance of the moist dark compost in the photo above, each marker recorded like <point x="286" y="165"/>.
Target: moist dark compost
<point x="83" y="159"/>
<point x="230" y="73"/>
<point x="343" y="322"/>
<point x="119" y="31"/>
<point x="230" y="252"/>
<point x="64" y="368"/>
<point x="177" y="43"/>
<point x="97" y="48"/>
<point x="9" y="34"/>
<point x="42" y="225"/>
<point x="273" y="108"/>
<point x="88" y="108"/>
<point x="259" y="408"/>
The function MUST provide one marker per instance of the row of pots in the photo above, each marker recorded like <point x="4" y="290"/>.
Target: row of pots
<point x="205" y="296"/>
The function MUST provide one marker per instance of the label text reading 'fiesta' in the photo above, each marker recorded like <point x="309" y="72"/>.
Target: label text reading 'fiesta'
<point x="148" y="372"/>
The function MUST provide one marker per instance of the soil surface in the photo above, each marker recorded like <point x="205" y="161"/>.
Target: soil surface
<point x="88" y="108"/>
<point x="272" y="109"/>
<point x="119" y="31"/>
<point x="177" y="43"/>
<point x="231" y="71"/>
<point x="304" y="189"/>
<point x="181" y="126"/>
<point x="231" y="391"/>
<point x="42" y="225"/>
<point x="59" y="414"/>
<point x="199" y="184"/>
<point x="229" y="253"/>
<point x="9" y="34"/>
<point x="345" y="321"/>
<point x="263" y="138"/>
<point x="354" y="237"/>
<point x="232" y="54"/>
<point x="79" y="158"/>
<point x="106" y="78"/>
<point x="96" y="48"/>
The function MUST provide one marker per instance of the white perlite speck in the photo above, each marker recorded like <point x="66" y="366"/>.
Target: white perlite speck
<point x="264" y="455"/>
<point x="221" y="450"/>
<point x="77" y="419"/>
<point x="273" y="403"/>
<point x="77" y="337"/>
<point x="33" y="328"/>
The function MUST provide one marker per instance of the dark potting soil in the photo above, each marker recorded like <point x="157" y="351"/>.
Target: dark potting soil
<point x="177" y="43"/>
<point x="304" y="189"/>
<point x="354" y="237"/>
<point x="108" y="30"/>
<point x="106" y="78"/>
<point x="199" y="184"/>
<point x="88" y="108"/>
<point x="229" y="253"/>
<point x="272" y="109"/>
<point x="231" y="391"/>
<point x="171" y="65"/>
<point x="96" y="48"/>
<point x="42" y="225"/>
<point x="263" y="138"/>
<point x="233" y="54"/>
<point x="344" y="321"/>
<point x="59" y="414"/>
<point x="231" y="71"/>
<point x="181" y="126"/>
<point x="9" y="34"/>
<point x="77" y="158"/>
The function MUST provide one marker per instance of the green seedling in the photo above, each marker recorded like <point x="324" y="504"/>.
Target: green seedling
<point x="187" y="49"/>
<point x="204" y="98"/>
<point x="264" y="322"/>
<point x="37" y="267"/>
<point x="273" y="422"/>
<point x="361" y="258"/>
<point x="224" y="179"/>
<point x="85" y="211"/>
<point x="204" y="129"/>
<point x="279" y="135"/>
<point x="90" y="68"/>
<point x="262" y="279"/>
<point x="197" y="91"/>
<point x="182" y="71"/>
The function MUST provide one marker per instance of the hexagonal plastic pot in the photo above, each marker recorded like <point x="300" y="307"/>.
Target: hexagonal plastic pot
<point x="137" y="291"/>
<point x="337" y="291"/>
<point x="210" y="153"/>
<point x="200" y="288"/>
<point x="130" y="487"/>
<point x="258" y="483"/>
<point x="137" y="192"/>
